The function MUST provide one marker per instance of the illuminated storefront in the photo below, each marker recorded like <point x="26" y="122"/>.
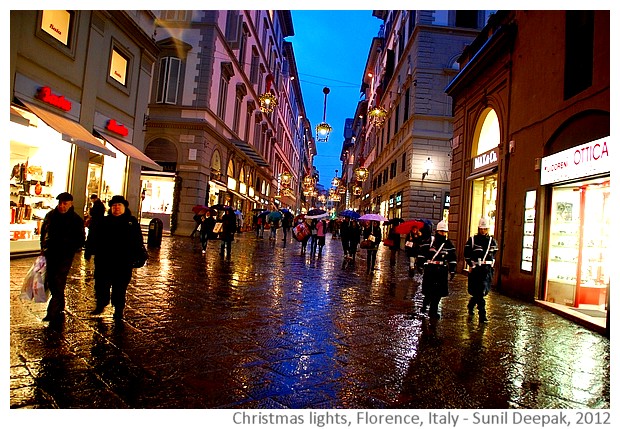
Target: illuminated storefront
<point x="580" y="223"/>
<point x="41" y="163"/>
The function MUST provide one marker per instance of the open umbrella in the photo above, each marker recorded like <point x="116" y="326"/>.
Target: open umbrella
<point x="274" y="216"/>
<point x="263" y="214"/>
<point x="373" y="216"/>
<point x="200" y="208"/>
<point x="405" y="227"/>
<point x="349" y="213"/>
<point x="316" y="214"/>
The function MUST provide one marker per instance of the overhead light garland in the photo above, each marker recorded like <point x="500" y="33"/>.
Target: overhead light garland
<point x="323" y="129"/>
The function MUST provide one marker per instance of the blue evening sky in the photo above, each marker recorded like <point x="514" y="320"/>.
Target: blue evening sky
<point x="331" y="48"/>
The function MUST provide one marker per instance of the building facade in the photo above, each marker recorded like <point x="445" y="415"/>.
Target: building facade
<point x="79" y="88"/>
<point x="208" y="125"/>
<point x="403" y="127"/>
<point x="531" y="151"/>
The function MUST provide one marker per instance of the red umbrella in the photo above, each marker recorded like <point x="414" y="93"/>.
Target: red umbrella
<point x="405" y="227"/>
<point x="200" y="208"/>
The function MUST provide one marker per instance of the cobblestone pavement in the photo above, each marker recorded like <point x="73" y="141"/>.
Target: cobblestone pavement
<point x="270" y="328"/>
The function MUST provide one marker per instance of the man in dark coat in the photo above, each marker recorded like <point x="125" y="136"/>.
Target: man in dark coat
<point x="479" y="255"/>
<point x="229" y="226"/>
<point x="116" y="245"/>
<point x="62" y="235"/>
<point x="439" y="258"/>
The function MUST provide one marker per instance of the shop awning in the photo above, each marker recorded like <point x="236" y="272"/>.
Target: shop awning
<point x="131" y="151"/>
<point x="250" y="152"/>
<point x="71" y="131"/>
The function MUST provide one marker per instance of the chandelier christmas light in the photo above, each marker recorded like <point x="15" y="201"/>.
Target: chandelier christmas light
<point x="323" y="129"/>
<point x="268" y="101"/>
<point x="377" y="115"/>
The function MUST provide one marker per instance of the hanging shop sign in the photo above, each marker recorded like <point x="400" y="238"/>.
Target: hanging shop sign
<point x="588" y="159"/>
<point x="45" y="94"/>
<point x="117" y="128"/>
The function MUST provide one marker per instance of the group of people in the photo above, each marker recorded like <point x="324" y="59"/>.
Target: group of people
<point x="211" y="228"/>
<point x="114" y="240"/>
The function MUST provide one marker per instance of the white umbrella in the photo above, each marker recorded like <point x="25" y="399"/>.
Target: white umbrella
<point x="318" y="216"/>
<point x="373" y="216"/>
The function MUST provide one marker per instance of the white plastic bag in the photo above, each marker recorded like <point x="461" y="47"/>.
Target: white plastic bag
<point x="33" y="286"/>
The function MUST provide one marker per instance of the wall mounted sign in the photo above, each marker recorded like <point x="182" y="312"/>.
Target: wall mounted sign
<point x="117" y="128"/>
<point x="585" y="160"/>
<point x="485" y="160"/>
<point x="45" y="94"/>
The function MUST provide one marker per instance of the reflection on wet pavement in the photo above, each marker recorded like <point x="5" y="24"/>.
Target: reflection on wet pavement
<point x="271" y="328"/>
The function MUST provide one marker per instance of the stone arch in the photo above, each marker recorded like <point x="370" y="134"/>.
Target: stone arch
<point x="162" y="150"/>
<point x="581" y="128"/>
<point x="487" y="132"/>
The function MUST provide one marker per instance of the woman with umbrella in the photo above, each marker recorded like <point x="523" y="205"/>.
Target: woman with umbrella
<point x="393" y="239"/>
<point x="287" y="223"/>
<point x="207" y="222"/>
<point x="274" y="223"/>
<point x="372" y="236"/>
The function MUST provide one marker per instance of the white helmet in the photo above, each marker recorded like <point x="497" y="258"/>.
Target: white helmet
<point x="442" y="226"/>
<point x="484" y="223"/>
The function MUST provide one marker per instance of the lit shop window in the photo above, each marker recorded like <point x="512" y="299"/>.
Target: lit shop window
<point x="118" y="67"/>
<point x="57" y="24"/>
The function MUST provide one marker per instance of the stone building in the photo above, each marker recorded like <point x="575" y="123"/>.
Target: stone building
<point x="79" y="84"/>
<point x="403" y="126"/>
<point x="532" y="151"/>
<point x="206" y="125"/>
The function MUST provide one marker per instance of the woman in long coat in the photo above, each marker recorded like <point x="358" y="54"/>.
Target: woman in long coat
<point x="229" y="226"/>
<point x="372" y="230"/>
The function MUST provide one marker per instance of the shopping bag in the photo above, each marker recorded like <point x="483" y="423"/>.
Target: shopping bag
<point x="33" y="286"/>
<point x="301" y="231"/>
<point x="217" y="228"/>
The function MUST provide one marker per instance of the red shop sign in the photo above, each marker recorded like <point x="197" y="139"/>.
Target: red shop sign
<point x="45" y="94"/>
<point x="117" y="128"/>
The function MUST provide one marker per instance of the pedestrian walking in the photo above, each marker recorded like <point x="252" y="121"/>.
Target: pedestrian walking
<point x="479" y="255"/>
<point x="393" y="243"/>
<point x="287" y="224"/>
<point x="313" y="236"/>
<point x="62" y="235"/>
<point x="305" y="237"/>
<point x="372" y="238"/>
<point x="116" y="245"/>
<point x="439" y="258"/>
<point x="207" y="223"/>
<point x="345" y="237"/>
<point x="95" y="212"/>
<point x="355" y="235"/>
<point x="321" y="232"/>
<point x="416" y="237"/>
<point x="227" y="235"/>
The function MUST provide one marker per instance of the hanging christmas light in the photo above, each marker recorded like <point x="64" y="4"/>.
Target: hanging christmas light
<point x="377" y="115"/>
<point x="268" y="101"/>
<point x="361" y="173"/>
<point x="336" y="180"/>
<point x="357" y="190"/>
<point x="286" y="177"/>
<point x="323" y="129"/>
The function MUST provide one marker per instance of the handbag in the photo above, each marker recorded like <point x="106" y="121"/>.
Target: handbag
<point x="366" y="244"/>
<point x="142" y="255"/>
<point x="33" y="286"/>
<point x="388" y="242"/>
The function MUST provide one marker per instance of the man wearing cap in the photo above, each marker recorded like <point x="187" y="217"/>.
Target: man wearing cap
<point x="62" y="235"/>
<point x="479" y="255"/>
<point x="439" y="258"/>
<point x="115" y="244"/>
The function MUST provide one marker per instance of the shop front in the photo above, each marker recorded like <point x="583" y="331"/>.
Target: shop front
<point x="157" y="197"/>
<point x="42" y="159"/>
<point x="483" y="186"/>
<point x="579" y="213"/>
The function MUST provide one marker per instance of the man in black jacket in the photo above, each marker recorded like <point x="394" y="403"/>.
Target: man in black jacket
<point x="62" y="235"/>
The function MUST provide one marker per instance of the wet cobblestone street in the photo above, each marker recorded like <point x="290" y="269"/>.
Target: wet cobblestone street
<point x="271" y="328"/>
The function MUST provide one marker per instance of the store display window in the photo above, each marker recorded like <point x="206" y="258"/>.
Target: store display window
<point x="483" y="202"/>
<point x="39" y="161"/>
<point x="157" y="197"/>
<point x="578" y="271"/>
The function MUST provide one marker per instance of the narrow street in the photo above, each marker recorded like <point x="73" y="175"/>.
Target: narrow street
<point x="271" y="328"/>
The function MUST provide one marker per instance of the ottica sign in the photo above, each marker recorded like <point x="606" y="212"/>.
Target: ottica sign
<point x="581" y="161"/>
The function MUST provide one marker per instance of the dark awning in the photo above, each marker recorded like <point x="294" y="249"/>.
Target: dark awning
<point x="250" y="152"/>
<point x="131" y="151"/>
<point x="71" y="131"/>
